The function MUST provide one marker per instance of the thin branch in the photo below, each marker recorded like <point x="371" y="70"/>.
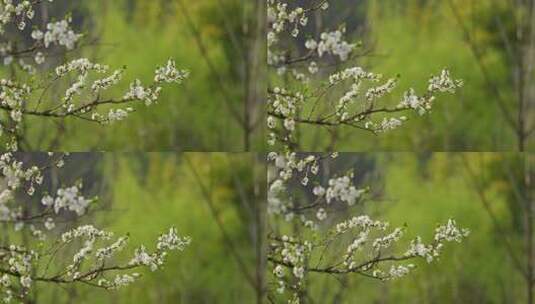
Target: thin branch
<point x="486" y="205"/>
<point x="227" y="240"/>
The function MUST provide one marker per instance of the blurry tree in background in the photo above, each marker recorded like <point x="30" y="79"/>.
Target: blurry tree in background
<point x="509" y="29"/>
<point x="248" y="183"/>
<point x="241" y="40"/>
<point x="488" y="44"/>
<point x="516" y="174"/>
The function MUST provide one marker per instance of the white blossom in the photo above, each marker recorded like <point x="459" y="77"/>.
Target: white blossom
<point x="59" y="33"/>
<point x="169" y="73"/>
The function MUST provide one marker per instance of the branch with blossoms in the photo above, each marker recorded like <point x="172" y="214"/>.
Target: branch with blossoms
<point x="97" y="257"/>
<point x="28" y="92"/>
<point x="308" y="91"/>
<point x="323" y="241"/>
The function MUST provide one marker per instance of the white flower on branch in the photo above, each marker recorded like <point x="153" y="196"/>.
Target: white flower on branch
<point x="169" y="73"/>
<point x="400" y="271"/>
<point x="16" y="13"/>
<point x="118" y="114"/>
<point x="124" y="280"/>
<point x="332" y="43"/>
<point x="105" y="83"/>
<point x="26" y="281"/>
<point x="138" y="92"/>
<point x="141" y="257"/>
<point x="171" y="241"/>
<point x="107" y="252"/>
<point x="95" y="258"/>
<point x="83" y="65"/>
<point x="39" y="58"/>
<point x="341" y="189"/>
<point x="60" y="33"/>
<point x="49" y="223"/>
<point x="28" y="93"/>
<point x="37" y="35"/>
<point x="303" y="95"/>
<point x="355" y="244"/>
<point x="69" y="199"/>
<point x="321" y="214"/>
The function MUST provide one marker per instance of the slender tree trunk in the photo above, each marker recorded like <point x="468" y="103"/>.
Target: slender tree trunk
<point x="255" y="92"/>
<point x="260" y="231"/>
<point x="529" y="217"/>
<point x="254" y="73"/>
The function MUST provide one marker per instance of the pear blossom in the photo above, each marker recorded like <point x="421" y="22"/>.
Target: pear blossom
<point x="356" y="244"/>
<point x="85" y="247"/>
<point x="306" y="83"/>
<point x="24" y="96"/>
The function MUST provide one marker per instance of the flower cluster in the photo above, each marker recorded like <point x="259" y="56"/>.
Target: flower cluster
<point x="290" y="167"/>
<point x="95" y="258"/>
<point x="28" y="93"/>
<point x="331" y="43"/>
<point x="59" y="33"/>
<point x="69" y="199"/>
<point x="288" y="252"/>
<point x="138" y="92"/>
<point x="169" y="73"/>
<point x="166" y="241"/>
<point x="19" y="13"/>
<point x="105" y="83"/>
<point x="341" y="189"/>
<point x="19" y="260"/>
<point x="56" y="33"/>
<point x="308" y="197"/>
<point x="12" y="97"/>
<point x="306" y="82"/>
<point x="20" y="180"/>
